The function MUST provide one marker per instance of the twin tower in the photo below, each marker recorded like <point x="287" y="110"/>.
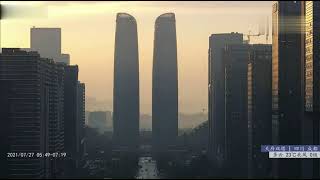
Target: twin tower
<point x="164" y="84"/>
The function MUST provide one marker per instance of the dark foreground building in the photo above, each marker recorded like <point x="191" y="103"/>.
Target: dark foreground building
<point x="216" y="93"/>
<point x="42" y="111"/>
<point x="6" y="126"/>
<point x="311" y="59"/>
<point x="236" y="61"/>
<point x="287" y="83"/>
<point x="259" y="109"/>
<point x="31" y="114"/>
<point x="74" y="114"/>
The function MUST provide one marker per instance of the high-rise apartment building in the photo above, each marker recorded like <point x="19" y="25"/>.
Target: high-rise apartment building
<point x="32" y="110"/>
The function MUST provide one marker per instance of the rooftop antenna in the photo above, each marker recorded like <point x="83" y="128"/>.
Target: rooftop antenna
<point x="267" y="30"/>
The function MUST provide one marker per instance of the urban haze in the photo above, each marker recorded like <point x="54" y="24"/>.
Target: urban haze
<point x="160" y="89"/>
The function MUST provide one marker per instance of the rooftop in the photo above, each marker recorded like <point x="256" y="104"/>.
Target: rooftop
<point x="166" y="16"/>
<point x="125" y="16"/>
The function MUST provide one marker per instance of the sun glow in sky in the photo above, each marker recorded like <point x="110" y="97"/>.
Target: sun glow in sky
<point x="88" y="34"/>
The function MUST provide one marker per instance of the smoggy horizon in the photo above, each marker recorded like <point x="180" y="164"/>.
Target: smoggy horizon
<point x="88" y="35"/>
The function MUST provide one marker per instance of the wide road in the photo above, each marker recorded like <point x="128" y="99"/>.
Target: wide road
<point x="147" y="169"/>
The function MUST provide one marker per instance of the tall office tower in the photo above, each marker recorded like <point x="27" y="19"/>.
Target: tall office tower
<point x="126" y="84"/>
<point x="80" y="122"/>
<point x="259" y="109"/>
<point x="32" y="111"/>
<point x="70" y="118"/>
<point x="236" y="61"/>
<point x="311" y="58"/>
<point x="287" y="83"/>
<point x="216" y="90"/>
<point x="164" y="84"/>
<point x="47" y="42"/>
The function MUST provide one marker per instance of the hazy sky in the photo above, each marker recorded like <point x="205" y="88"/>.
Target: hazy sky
<point x="88" y="35"/>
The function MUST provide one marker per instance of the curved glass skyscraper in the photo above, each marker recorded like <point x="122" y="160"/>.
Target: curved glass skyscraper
<point x="164" y="83"/>
<point x="126" y="83"/>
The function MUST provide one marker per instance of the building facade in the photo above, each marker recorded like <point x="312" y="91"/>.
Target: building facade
<point x="287" y="83"/>
<point x="71" y="118"/>
<point x="311" y="59"/>
<point x="259" y="109"/>
<point x="165" y="84"/>
<point x="216" y="93"/>
<point x="81" y="90"/>
<point x="47" y="42"/>
<point x="126" y="84"/>
<point x="6" y="126"/>
<point x="32" y="112"/>
<point x="236" y="58"/>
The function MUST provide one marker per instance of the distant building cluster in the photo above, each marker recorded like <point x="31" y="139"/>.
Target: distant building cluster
<point x="42" y="106"/>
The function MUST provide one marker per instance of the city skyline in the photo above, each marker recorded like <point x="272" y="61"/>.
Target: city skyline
<point x="193" y="27"/>
<point x="230" y="96"/>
